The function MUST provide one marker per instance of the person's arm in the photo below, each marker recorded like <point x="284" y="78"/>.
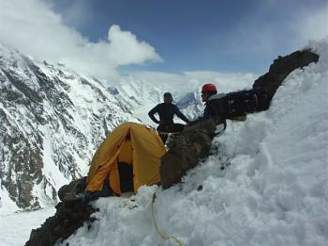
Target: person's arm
<point x="152" y="112"/>
<point x="180" y="115"/>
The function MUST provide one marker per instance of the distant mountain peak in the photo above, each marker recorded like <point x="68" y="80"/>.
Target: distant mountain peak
<point x="52" y="120"/>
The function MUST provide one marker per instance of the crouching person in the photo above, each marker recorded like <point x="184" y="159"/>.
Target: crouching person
<point x="215" y="107"/>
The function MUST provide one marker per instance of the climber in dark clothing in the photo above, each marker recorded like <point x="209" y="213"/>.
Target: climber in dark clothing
<point x="217" y="110"/>
<point x="166" y="112"/>
<point x="214" y="106"/>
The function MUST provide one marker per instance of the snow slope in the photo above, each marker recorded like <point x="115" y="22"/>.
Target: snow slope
<point x="16" y="227"/>
<point x="275" y="192"/>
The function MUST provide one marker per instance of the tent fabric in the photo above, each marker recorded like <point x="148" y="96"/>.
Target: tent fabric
<point x="131" y="143"/>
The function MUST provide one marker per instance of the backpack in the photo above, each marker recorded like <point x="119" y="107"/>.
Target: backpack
<point x="238" y="104"/>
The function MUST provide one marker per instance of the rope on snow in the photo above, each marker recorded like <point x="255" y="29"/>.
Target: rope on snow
<point x="162" y="234"/>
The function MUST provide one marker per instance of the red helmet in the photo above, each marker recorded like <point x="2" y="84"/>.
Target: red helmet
<point x="209" y="88"/>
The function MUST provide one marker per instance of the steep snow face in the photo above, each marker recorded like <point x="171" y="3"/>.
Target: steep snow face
<point x="52" y="120"/>
<point x="273" y="192"/>
<point x="142" y="96"/>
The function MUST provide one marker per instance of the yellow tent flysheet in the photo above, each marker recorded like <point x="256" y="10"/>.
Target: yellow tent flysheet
<point x="131" y="143"/>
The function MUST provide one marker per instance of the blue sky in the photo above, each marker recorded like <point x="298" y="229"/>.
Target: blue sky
<point x="227" y="36"/>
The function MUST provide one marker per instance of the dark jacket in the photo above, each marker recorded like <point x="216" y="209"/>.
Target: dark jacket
<point x="166" y="112"/>
<point x="215" y="109"/>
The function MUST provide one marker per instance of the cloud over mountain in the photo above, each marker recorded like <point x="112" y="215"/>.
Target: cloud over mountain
<point x="34" y="28"/>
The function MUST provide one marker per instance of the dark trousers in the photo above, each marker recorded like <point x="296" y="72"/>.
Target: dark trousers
<point x="165" y="129"/>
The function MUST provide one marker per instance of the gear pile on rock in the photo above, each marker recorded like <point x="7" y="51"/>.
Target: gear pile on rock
<point x="185" y="151"/>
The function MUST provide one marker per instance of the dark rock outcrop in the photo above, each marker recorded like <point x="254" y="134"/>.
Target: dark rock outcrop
<point x="185" y="150"/>
<point x="68" y="218"/>
<point x="280" y="69"/>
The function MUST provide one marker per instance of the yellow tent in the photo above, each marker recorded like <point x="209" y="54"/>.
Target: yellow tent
<point x="131" y="143"/>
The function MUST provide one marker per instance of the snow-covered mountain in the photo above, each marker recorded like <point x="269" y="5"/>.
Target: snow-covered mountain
<point x="274" y="192"/>
<point x="142" y="94"/>
<point x="52" y="120"/>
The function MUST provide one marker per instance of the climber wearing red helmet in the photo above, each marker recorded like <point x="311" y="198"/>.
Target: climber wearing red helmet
<point x="207" y="91"/>
<point x="209" y="95"/>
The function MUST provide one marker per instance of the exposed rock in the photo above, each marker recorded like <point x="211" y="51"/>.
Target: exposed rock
<point x="74" y="187"/>
<point x="280" y="69"/>
<point x="185" y="150"/>
<point x="68" y="218"/>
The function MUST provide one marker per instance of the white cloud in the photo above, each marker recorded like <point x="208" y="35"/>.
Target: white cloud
<point x="125" y="48"/>
<point x="313" y="25"/>
<point x="190" y="81"/>
<point x="273" y="28"/>
<point x="224" y="81"/>
<point x="33" y="28"/>
<point x="77" y="13"/>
